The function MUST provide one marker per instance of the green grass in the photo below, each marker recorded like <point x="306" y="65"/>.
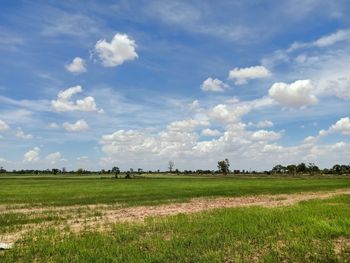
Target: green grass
<point x="92" y="190"/>
<point x="302" y="233"/>
<point x="10" y="222"/>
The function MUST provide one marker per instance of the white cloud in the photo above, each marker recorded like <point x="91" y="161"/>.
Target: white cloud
<point x="3" y="125"/>
<point x="53" y="125"/>
<point x="186" y="125"/>
<point x="80" y="125"/>
<point x="194" y="105"/>
<point x="32" y="155"/>
<point x="22" y="135"/>
<point x="181" y="142"/>
<point x="63" y="102"/>
<point x="228" y="114"/>
<point x="263" y="135"/>
<point x="325" y="41"/>
<point x="296" y="94"/>
<point x="211" y="133"/>
<point x="264" y="124"/>
<point x="116" y="52"/>
<point x="242" y="75"/>
<point x="53" y="157"/>
<point x="77" y="65"/>
<point x="341" y="126"/>
<point x="310" y="139"/>
<point x="214" y="85"/>
<point x="333" y="38"/>
<point x="4" y="161"/>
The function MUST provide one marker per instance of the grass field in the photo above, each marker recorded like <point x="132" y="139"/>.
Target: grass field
<point x="311" y="231"/>
<point x="93" y="190"/>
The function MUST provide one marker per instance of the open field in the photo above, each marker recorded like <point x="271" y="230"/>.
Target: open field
<point x="89" y="219"/>
<point x="37" y="191"/>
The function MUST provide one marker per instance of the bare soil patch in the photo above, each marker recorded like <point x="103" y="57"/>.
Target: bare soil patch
<point x="203" y="204"/>
<point x="342" y="244"/>
<point x="113" y="213"/>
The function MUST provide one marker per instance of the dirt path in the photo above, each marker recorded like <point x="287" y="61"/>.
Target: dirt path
<point x="112" y="214"/>
<point x="201" y="204"/>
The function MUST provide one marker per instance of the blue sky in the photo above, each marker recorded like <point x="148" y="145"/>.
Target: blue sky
<point x="93" y="84"/>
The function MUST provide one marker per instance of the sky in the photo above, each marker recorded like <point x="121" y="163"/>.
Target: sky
<point x="134" y="84"/>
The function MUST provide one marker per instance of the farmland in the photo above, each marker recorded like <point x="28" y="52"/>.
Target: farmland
<point x="174" y="218"/>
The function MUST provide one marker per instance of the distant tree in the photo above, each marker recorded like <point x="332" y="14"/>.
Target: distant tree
<point x="340" y="169"/>
<point x="128" y="175"/>
<point x="224" y="166"/>
<point x="80" y="171"/>
<point x="2" y="170"/>
<point x="171" y="166"/>
<point x="279" y="169"/>
<point x="292" y="169"/>
<point x="301" y="168"/>
<point x="55" y="171"/>
<point x="312" y="168"/>
<point x="139" y="170"/>
<point x="116" y="171"/>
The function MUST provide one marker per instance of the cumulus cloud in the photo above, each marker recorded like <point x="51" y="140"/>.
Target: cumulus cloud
<point x="53" y="157"/>
<point x="77" y="65"/>
<point x="296" y="94"/>
<point x="32" y="155"/>
<point x="22" y="135"/>
<point x="80" y="125"/>
<point x="3" y="125"/>
<point x="263" y="135"/>
<point x="211" y="133"/>
<point x="242" y="75"/>
<point x="186" y="125"/>
<point x="64" y="103"/>
<point x="264" y="124"/>
<point x="214" y="85"/>
<point x="228" y="114"/>
<point x="116" y="52"/>
<point x="188" y="149"/>
<point x="342" y="126"/>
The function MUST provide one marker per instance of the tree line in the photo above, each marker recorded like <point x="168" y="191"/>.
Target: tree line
<point x="223" y="167"/>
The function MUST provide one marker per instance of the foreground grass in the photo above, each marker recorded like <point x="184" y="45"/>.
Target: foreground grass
<point x="149" y="191"/>
<point x="313" y="231"/>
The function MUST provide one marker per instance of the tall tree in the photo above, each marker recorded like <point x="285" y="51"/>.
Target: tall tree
<point x="171" y="165"/>
<point x="224" y="166"/>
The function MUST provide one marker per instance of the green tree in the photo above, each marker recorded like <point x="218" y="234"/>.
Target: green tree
<point x="224" y="166"/>
<point x="116" y="171"/>
<point x="312" y="168"/>
<point x="279" y="169"/>
<point x="292" y="169"/>
<point x="301" y="168"/>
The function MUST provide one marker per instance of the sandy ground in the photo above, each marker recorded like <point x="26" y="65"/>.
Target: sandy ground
<point x="112" y="213"/>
